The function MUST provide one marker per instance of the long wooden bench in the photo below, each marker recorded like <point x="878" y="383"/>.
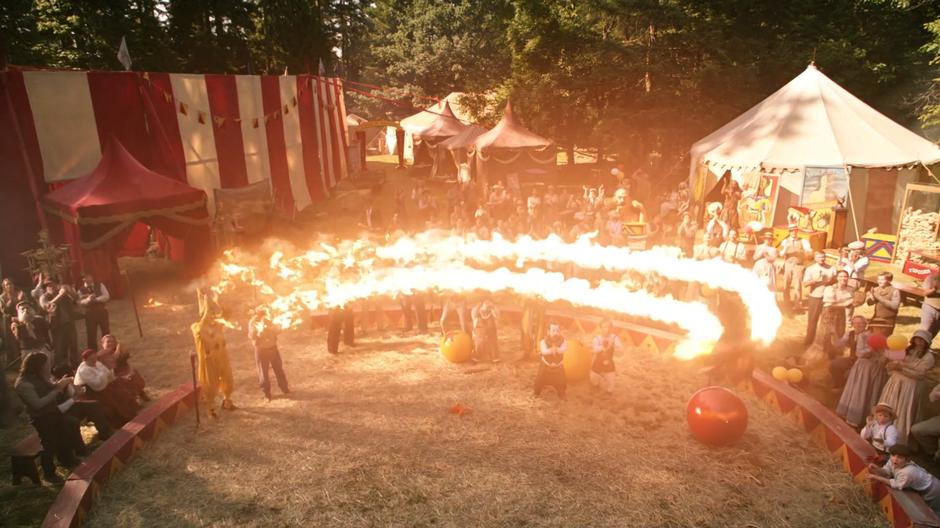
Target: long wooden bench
<point x="23" y="459"/>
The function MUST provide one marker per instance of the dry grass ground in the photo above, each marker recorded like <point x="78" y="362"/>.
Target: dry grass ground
<point x="366" y="440"/>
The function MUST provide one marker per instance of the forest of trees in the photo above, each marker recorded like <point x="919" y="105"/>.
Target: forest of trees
<point x="629" y="76"/>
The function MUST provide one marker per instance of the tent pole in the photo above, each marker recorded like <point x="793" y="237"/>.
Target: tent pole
<point x="848" y="175"/>
<point x="21" y="144"/>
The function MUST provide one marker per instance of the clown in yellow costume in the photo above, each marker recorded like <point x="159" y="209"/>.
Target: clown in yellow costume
<point x="215" y="371"/>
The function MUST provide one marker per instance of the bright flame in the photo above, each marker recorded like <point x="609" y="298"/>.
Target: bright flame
<point x="330" y="276"/>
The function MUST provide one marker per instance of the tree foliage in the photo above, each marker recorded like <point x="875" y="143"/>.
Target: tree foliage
<point x="630" y="76"/>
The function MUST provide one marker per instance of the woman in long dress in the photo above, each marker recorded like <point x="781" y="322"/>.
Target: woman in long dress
<point x="901" y="389"/>
<point x="866" y="377"/>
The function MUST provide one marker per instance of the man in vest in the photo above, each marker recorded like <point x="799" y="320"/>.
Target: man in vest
<point x="887" y="301"/>
<point x="795" y="251"/>
<point x="94" y="296"/>
<point x="552" y="367"/>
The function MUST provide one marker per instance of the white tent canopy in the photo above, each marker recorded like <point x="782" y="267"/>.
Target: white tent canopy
<point x="414" y="124"/>
<point x="812" y="121"/>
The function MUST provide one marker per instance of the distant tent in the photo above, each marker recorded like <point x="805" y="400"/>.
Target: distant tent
<point x="418" y="122"/>
<point x="456" y="150"/>
<point x="103" y="206"/>
<point x="813" y="122"/>
<point x="510" y="148"/>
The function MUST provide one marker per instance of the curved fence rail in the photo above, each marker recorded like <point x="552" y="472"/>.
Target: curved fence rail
<point x="903" y="509"/>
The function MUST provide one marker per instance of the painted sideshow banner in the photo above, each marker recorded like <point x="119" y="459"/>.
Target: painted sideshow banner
<point x="824" y="186"/>
<point x="759" y="199"/>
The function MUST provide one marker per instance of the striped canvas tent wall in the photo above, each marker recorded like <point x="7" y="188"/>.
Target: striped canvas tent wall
<point x="211" y="131"/>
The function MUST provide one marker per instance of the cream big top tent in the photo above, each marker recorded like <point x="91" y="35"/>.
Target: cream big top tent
<point x="806" y="128"/>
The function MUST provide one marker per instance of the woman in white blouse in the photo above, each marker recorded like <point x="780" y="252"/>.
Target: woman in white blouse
<point x="120" y="405"/>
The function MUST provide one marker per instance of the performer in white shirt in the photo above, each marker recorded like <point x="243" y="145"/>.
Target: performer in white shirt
<point x="795" y="251"/>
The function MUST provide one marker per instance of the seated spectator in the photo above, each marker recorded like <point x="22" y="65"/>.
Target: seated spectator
<point x="901" y="473"/>
<point x="901" y="390"/>
<point x="862" y="373"/>
<point x="117" y="358"/>
<point x="46" y="404"/>
<point x="927" y="432"/>
<point x="879" y="430"/>
<point x="118" y="400"/>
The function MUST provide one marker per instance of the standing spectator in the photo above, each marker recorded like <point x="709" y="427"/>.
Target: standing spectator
<point x="864" y="378"/>
<point x="341" y="321"/>
<point x="901" y="390"/>
<point x="716" y="230"/>
<point x="902" y="473"/>
<point x="795" y="251"/>
<point x="887" y="301"/>
<point x="816" y="278"/>
<point x="455" y="303"/>
<point x="731" y="192"/>
<point x="606" y="344"/>
<point x="732" y="250"/>
<point x="930" y="309"/>
<point x="263" y="335"/>
<point x="855" y="263"/>
<point x="927" y="432"/>
<point x="59" y="303"/>
<point x="836" y="298"/>
<point x="94" y="297"/>
<point x="46" y="404"/>
<point x="765" y="247"/>
<point x="413" y="305"/>
<point x="552" y="367"/>
<point x="686" y="234"/>
<point x="485" y="317"/>
<point x="31" y="332"/>
<point x="766" y="271"/>
<point x="879" y="430"/>
<point x="372" y="218"/>
<point x="9" y="296"/>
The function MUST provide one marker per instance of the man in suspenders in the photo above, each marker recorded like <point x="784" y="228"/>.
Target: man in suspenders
<point x="94" y="296"/>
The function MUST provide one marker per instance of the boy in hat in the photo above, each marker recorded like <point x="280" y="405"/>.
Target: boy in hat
<point x="879" y="431"/>
<point x="552" y="368"/>
<point x="766" y="246"/>
<point x="902" y="473"/>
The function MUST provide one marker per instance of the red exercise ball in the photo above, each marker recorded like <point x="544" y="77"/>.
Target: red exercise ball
<point x="716" y="416"/>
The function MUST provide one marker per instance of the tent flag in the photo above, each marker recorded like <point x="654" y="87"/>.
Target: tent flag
<point x="124" y="56"/>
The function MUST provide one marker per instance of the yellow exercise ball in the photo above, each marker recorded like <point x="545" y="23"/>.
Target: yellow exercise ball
<point x="897" y="342"/>
<point x="708" y="291"/>
<point x="577" y="361"/>
<point x="794" y="375"/>
<point x="779" y="373"/>
<point x="456" y="346"/>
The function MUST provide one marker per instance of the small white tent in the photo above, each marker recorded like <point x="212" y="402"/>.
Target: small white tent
<point x="814" y="122"/>
<point x="416" y="123"/>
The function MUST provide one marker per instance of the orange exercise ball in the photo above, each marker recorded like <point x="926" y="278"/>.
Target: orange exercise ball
<point x="577" y="361"/>
<point x="456" y="346"/>
<point x="716" y="416"/>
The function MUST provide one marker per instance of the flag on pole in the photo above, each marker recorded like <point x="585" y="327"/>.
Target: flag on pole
<point x="123" y="55"/>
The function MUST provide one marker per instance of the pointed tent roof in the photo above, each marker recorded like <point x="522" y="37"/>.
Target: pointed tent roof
<point x="445" y="125"/>
<point x="813" y="121"/>
<point x="464" y="139"/>
<point x="121" y="189"/>
<point x="510" y="134"/>
<point x="414" y="124"/>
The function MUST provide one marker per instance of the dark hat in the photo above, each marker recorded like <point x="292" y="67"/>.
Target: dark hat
<point x="901" y="450"/>
<point x="24" y="302"/>
<point x="88" y="353"/>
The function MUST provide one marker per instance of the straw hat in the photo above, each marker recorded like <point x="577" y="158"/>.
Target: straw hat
<point x="882" y="406"/>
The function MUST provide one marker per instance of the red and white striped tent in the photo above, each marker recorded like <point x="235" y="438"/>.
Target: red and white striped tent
<point x="210" y="131"/>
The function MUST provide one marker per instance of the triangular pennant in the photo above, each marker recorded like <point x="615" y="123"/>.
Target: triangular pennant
<point x="625" y="339"/>
<point x="168" y="97"/>
<point x="237" y="120"/>
<point x="138" y="444"/>
<point x="636" y="337"/>
<point x="219" y="121"/>
<point x="818" y="435"/>
<point x="771" y="399"/>
<point x="159" y="426"/>
<point x="254" y="122"/>
<point x="145" y="76"/>
<point x="293" y="100"/>
<point x="184" y="108"/>
<point x="662" y="343"/>
<point x="116" y="465"/>
<point x="286" y="109"/>
<point x="648" y="345"/>
<point x="201" y="117"/>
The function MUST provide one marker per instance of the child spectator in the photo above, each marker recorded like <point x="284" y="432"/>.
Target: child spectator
<point x="879" y="430"/>
<point x="602" y="367"/>
<point x="902" y="473"/>
<point x="552" y="368"/>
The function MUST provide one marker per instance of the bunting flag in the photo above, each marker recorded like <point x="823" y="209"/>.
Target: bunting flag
<point x="211" y="131"/>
